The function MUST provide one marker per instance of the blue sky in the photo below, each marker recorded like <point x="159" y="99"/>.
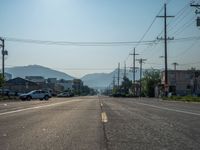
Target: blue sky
<point x="94" y="21"/>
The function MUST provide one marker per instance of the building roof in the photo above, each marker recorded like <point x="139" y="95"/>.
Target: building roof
<point x="20" y="81"/>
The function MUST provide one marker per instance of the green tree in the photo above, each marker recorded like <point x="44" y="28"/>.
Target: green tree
<point x="2" y="81"/>
<point x="150" y="80"/>
<point x="126" y="85"/>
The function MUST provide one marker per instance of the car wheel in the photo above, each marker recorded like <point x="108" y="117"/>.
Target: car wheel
<point x="41" y="99"/>
<point x="46" y="97"/>
<point x="28" y="98"/>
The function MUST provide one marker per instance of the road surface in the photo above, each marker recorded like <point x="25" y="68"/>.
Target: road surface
<point x="99" y="123"/>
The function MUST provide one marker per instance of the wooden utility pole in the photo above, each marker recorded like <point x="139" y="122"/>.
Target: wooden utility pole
<point x="118" y="75"/>
<point x="134" y="54"/>
<point x="3" y="60"/>
<point x="125" y="69"/>
<point x="141" y="61"/>
<point x="165" y="49"/>
<point x="175" y="65"/>
<point x="197" y="6"/>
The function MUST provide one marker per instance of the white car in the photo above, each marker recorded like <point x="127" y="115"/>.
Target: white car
<point x="36" y="94"/>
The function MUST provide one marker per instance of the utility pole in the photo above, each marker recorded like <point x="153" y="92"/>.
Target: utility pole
<point x="4" y="52"/>
<point x="141" y="61"/>
<point x="197" y="6"/>
<point x="165" y="49"/>
<point x="134" y="54"/>
<point x="118" y="75"/>
<point x="113" y="81"/>
<point x="175" y="64"/>
<point x="124" y="69"/>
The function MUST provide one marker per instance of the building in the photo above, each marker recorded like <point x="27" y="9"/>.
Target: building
<point x="67" y="84"/>
<point x="20" y="85"/>
<point x="52" y="80"/>
<point x="77" y="86"/>
<point x="183" y="82"/>
<point x="8" y="76"/>
<point x="36" y="79"/>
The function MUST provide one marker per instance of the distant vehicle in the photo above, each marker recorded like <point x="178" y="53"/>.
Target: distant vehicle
<point x="65" y="94"/>
<point x="36" y="94"/>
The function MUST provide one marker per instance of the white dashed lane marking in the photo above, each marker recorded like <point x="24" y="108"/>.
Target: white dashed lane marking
<point x="37" y="107"/>
<point x="170" y="109"/>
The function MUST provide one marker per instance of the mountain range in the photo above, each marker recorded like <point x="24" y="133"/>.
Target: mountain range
<point x="36" y="70"/>
<point x="95" y="80"/>
<point x="102" y="80"/>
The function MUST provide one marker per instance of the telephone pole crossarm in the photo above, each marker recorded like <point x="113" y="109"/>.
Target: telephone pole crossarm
<point x="195" y="5"/>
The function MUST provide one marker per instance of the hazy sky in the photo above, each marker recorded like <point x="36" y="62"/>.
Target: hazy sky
<point x="96" y="21"/>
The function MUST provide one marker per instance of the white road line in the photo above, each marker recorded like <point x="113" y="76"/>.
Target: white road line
<point x="37" y="107"/>
<point x="104" y="117"/>
<point x="170" y="109"/>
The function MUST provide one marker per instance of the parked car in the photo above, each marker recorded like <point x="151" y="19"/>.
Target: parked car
<point x="36" y="94"/>
<point x="65" y="94"/>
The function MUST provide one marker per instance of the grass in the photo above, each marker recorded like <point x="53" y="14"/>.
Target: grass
<point x="183" y="98"/>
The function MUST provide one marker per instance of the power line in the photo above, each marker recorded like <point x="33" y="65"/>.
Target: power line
<point x="68" y="43"/>
<point x="184" y="26"/>
<point x="76" y="69"/>
<point x="148" y="29"/>
<point x="177" y="20"/>
<point x="187" y="49"/>
<point x="177" y="16"/>
<point x="192" y="63"/>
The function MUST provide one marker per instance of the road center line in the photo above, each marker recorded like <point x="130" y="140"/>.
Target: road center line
<point x="37" y="107"/>
<point x="169" y="109"/>
<point x="104" y="117"/>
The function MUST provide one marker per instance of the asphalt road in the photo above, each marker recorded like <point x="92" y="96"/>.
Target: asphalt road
<point x="93" y="123"/>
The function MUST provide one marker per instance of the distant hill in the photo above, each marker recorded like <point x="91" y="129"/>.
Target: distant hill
<point x="36" y="70"/>
<point x="102" y="80"/>
<point x="95" y="80"/>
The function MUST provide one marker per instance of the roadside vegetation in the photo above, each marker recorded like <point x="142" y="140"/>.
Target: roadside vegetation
<point x="150" y="79"/>
<point x="183" y="98"/>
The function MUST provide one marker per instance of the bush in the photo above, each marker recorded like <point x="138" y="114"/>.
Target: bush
<point x="183" y="98"/>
